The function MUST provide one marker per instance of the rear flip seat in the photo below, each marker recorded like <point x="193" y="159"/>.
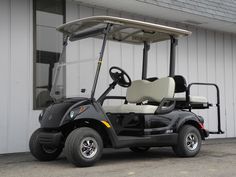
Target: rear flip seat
<point x="181" y="87"/>
<point x="192" y="99"/>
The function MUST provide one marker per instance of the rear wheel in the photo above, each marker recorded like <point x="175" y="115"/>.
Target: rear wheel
<point x="189" y="142"/>
<point x="139" y="149"/>
<point x="42" y="152"/>
<point x="83" y="147"/>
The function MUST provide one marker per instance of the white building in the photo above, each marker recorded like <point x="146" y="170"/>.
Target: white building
<point x="27" y="34"/>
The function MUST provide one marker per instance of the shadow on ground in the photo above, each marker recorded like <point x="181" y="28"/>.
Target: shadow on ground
<point x="110" y="156"/>
<point x="210" y="149"/>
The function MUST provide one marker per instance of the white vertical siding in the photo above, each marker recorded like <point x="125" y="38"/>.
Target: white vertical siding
<point x="17" y="120"/>
<point x="205" y="56"/>
<point x="19" y="77"/>
<point x="234" y="79"/>
<point x="228" y="85"/>
<point x="5" y="74"/>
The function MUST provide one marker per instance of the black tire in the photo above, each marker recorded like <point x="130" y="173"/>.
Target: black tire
<point x="41" y="152"/>
<point x="139" y="149"/>
<point x="189" y="142"/>
<point x="80" y="141"/>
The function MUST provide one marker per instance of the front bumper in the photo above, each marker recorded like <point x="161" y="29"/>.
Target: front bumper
<point x="54" y="139"/>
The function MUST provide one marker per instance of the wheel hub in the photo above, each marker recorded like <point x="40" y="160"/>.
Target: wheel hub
<point x="88" y="147"/>
<point x="191" y="141"/>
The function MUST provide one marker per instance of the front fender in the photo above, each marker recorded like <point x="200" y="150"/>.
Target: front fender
<point x="83" y="110"/>
<point x="54" y="114"/>
<point x="90" y="114"/>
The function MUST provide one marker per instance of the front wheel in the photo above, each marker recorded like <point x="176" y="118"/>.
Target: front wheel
<point x="189" y="142"/>
<point x="42" y="152"/>
<point x="83" y="147"/>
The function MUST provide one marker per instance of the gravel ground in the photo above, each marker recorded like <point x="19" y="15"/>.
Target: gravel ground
<point x="217" y="158"/>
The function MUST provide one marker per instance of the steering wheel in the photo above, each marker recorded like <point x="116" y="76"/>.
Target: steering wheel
<point x="120" y="76"/>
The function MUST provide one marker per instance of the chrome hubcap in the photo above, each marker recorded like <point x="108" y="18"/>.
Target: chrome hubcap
<point x="88" y="147"/>
<point x="191" y="141"/>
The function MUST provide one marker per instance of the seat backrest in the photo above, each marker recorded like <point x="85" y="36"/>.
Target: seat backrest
<point x="180" y="84"/>
<point x="143" y="90"/>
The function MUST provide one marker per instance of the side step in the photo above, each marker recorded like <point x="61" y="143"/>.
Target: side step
<point x="150" y="140"/>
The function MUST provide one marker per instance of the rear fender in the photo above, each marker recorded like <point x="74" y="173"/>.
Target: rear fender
<point x="194" y="121"/>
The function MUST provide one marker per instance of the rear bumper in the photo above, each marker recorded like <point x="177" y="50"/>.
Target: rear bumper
<point x="50" y="138"/>
<point x="205" y="133"/>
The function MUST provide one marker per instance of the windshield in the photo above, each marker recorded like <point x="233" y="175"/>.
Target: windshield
<point x="74" y="74"/>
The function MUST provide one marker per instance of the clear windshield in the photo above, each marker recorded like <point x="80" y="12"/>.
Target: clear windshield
<point x="74" y="74"/>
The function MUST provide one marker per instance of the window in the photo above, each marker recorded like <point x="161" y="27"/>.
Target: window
<point x="47" y="47"/>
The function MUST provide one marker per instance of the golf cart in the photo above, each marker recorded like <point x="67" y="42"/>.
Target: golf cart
<point x="150" y="115"/>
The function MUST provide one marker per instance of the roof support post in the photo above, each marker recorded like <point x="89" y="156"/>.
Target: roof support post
<point x="106" y="31"/>
<point x="173" y="44"/>
<point x="145" y="59"/>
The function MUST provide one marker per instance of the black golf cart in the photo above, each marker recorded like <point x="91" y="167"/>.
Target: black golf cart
<point x="150" y="115"/>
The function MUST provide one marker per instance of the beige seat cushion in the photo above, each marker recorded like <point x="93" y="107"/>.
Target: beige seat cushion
<point x="131" y="108"/>
<point x="143" y="90"/>
<point x="192" y="99"/>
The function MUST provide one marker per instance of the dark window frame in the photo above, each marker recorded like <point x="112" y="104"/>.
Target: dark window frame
<point x="35" y="51"/>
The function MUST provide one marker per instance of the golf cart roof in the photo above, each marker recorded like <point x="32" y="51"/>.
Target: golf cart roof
<point x="123" y="30"/>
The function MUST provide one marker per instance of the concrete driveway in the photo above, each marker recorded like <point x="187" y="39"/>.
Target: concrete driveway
<point x="217" y="158"/>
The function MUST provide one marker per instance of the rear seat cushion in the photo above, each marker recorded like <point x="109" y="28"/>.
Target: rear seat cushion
<point x="193" y="99"/>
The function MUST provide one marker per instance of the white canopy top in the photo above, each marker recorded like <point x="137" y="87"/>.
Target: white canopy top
<point x="123" y="30"/>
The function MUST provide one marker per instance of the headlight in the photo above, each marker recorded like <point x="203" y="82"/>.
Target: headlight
<point x="72" y="114"/>
<point x="76" y="112"/>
